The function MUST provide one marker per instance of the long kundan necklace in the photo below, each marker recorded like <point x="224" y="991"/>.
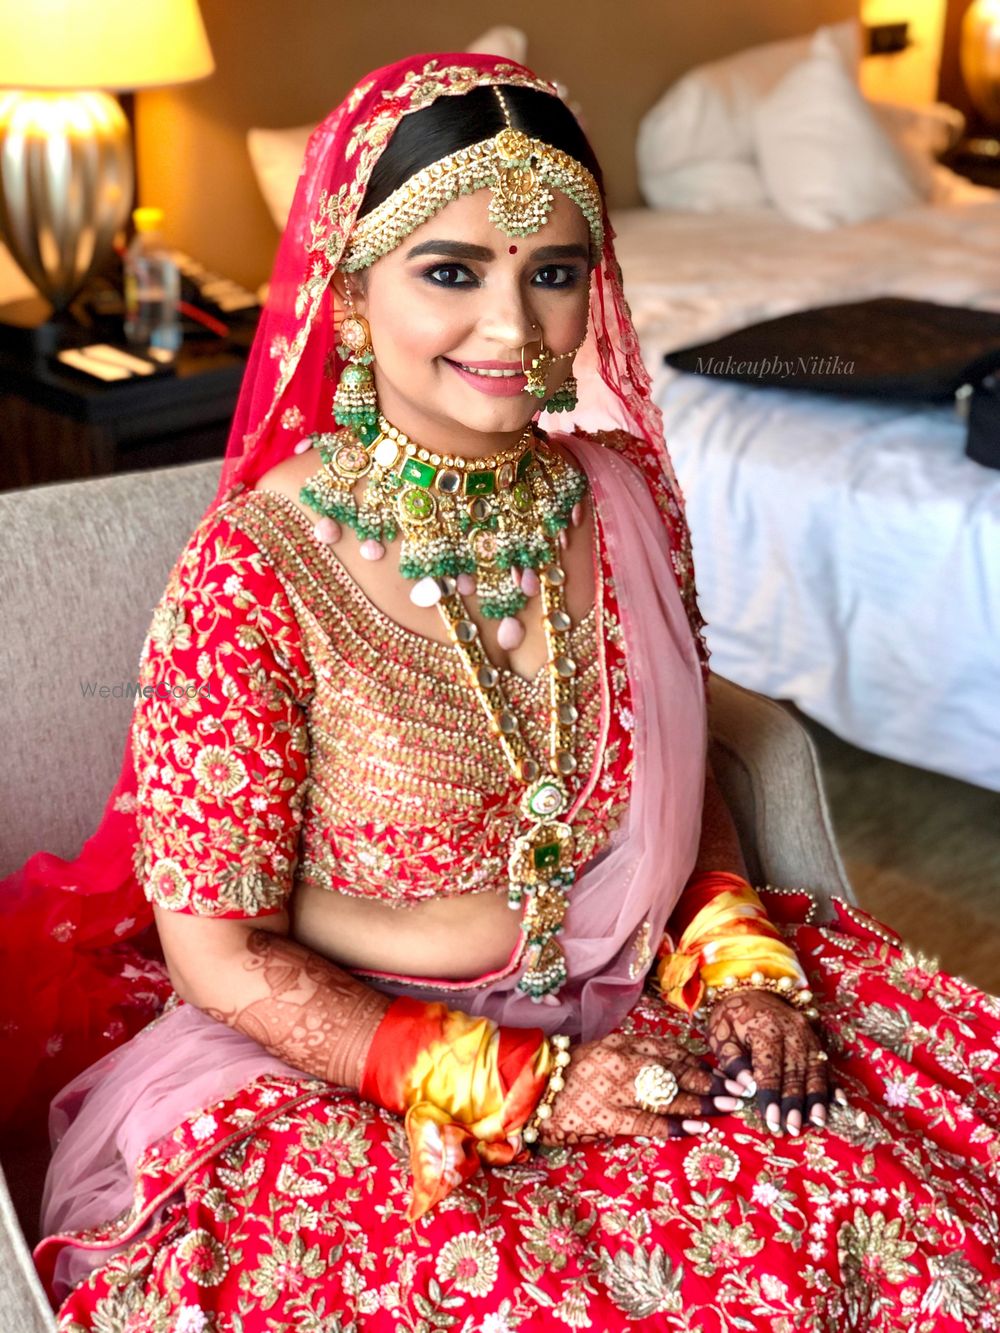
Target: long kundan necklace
<point x="493" y="528"/>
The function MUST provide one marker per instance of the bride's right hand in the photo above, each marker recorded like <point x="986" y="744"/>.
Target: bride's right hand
<point x="599" y="1097"/>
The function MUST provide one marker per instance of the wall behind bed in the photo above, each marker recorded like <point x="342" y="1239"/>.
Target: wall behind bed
<point x="284" y="64"/>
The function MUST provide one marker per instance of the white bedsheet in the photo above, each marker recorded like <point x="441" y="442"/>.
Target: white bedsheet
<point x="847" y="553"/>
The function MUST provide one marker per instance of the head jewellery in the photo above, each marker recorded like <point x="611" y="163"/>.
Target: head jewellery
<point x="519" y="170"/>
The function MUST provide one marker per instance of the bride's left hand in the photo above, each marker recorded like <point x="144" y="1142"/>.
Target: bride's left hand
<point x="759" y="1039"/>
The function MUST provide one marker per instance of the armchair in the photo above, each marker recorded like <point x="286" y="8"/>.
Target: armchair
<point x="82" y="565"/>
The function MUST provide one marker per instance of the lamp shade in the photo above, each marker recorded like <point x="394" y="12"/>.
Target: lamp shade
<point x="120" y="45"/>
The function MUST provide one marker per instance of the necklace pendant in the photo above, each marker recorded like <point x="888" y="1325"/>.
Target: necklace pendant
<point x="541" y="853"/>
<point x="546" y="971"/>
<point x="351" y="460"/>
<point x="545" y="799"/>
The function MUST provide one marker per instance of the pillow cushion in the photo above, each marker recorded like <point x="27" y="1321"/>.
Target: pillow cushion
<point x="276" y="156"/>
<point x="706" y="115"/>
<point x="824" y="157"/>
<point x="710" y="187"/>
<point x="922" y="134"/>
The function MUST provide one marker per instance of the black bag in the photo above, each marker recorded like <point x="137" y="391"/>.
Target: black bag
<point x="983" y="439"/>
<point x="888" y="347"/>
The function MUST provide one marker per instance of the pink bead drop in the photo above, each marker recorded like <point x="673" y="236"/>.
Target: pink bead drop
<point x="371" y="549"/>
<point x="563" y="539"/>
<point x="303" y="446"/>
<point x="576" y="517"/>
<point x="530" y="583"/>
<point x="550" y="999"/>
<point x="327" y="530"/>
<point x="466" y="584"/>
<point x="510" y="633"/>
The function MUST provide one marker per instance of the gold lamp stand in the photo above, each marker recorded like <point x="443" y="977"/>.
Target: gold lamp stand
<point x="66" y="184"/>
<point x="66" y="168"/>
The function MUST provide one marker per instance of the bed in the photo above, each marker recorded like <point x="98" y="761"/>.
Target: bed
<point x="847" y="552"/>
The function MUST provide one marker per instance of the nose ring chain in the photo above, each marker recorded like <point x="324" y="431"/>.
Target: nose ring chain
<point x="537" y="372"/>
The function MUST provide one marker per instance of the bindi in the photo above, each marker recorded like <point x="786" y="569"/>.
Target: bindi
<point x="512" y="250"/>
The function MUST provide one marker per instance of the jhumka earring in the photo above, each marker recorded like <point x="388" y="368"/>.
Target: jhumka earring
<point x="355" y="404"/>
<point x="565" y="397"/>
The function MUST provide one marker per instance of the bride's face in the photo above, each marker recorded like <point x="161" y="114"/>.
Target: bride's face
<point x="458" y="293"/>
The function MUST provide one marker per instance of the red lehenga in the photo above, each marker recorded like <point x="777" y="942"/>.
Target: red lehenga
<point x="225" y="1192"/>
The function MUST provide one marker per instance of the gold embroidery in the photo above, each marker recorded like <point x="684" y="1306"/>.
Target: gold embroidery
<point x="408" y="795"/>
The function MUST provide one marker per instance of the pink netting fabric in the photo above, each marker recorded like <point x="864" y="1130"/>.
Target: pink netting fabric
<point x="76" y="934"/>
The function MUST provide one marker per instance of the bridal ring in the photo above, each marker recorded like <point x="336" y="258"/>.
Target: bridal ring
<point x="655" y="1088"/>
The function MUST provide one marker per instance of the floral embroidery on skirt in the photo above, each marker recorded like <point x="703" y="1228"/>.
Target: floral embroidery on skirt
<point x="289" y="1208"/>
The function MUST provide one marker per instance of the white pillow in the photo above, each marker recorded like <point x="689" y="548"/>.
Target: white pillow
<point x="710" y="187"/>
<point x="922" y="134"/>
<point x="511" y="43"/>
<point x="276" y="155"/>
<point x="706" y="115"/>
<point x="824" y="157"/>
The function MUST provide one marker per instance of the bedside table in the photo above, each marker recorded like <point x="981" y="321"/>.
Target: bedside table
<point x="56" y="425"/>
<point x="977" y="158"/>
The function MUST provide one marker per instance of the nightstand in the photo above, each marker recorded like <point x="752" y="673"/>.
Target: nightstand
<point x="56" y="425"/>
<point x="978" y="158"/>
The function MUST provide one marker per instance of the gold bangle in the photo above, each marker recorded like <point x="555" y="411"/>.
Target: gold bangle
<point x="555" y="1084"/>
<point x="799" y="996"/>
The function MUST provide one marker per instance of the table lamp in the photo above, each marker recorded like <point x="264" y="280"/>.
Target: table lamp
<point x="66" y="166"/>
<point x="979" y="54"/>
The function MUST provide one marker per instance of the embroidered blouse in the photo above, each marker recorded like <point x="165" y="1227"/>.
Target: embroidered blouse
<point x="289" y="732"/>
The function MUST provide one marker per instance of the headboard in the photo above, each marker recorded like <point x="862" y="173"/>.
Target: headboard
<point x="286" y="64"/>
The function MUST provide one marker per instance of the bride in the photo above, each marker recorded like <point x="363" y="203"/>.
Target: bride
<point x="474" y="1020"/>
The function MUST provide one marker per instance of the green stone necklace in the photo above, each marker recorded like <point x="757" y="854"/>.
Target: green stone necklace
<point x="495" y="529"/>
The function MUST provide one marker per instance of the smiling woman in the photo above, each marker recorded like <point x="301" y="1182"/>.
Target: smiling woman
<point x="440" y="872"/>
<point x="454" y="315"/>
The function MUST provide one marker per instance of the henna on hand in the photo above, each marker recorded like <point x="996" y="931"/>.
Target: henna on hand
<point x="599" y="1098"/>
<point x="756" y="1033"/>
<point x="306" y="1011"/>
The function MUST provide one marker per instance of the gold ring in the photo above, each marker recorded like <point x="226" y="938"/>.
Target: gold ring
<point x="655" y="1088"/>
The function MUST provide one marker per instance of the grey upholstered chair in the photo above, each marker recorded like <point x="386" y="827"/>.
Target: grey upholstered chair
<point x="81" y="567"/>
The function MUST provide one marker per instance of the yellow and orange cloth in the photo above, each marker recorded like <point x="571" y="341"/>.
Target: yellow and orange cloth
<point x="723" y="931"/>
<point x="465" y="1085"/>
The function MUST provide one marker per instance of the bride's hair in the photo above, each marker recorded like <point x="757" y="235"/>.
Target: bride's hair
<point x="451" y="123"/>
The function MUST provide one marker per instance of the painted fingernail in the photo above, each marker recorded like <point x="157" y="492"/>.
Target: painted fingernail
<point x="794" y="1123"/>
<point x="696" y="1126"/>
<point x="728" y="1103"/>
<point x="818" y="1117"/>
<point x="735" y="1088"/>
<point x="840" y="1097"/>
<point x="773" y="1118"/>
<point x="750" y="1089"/>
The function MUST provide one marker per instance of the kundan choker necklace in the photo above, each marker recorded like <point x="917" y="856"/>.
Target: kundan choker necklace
<point x="489" y="524"/>
<point x="494" y="528"/>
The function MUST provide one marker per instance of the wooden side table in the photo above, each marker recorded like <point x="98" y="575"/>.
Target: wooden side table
<point x="56" y="425"/>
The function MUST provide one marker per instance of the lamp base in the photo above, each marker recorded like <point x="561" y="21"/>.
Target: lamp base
<point x="32" y="329"/>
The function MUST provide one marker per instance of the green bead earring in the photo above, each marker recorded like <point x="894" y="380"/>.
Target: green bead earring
<point x="565" y="397"/>
<point x="355" y="403"/>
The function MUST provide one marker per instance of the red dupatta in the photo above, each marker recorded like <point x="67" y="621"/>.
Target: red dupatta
<point x="79" y="970"/>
